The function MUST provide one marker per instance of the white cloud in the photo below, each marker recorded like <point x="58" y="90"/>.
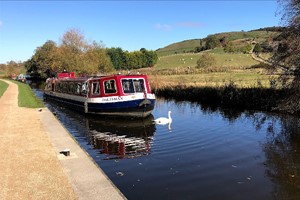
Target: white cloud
<point x="169" y="27"/>
<point x="1" y="23"/>
<point x="163" y="27"/>
<point x="190" y="24"/>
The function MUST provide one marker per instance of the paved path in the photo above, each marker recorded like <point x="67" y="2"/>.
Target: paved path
<point x="31" y="166"/>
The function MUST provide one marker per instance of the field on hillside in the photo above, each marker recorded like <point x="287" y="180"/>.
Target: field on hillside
<point x="177" y="67"/>
<point x="179" y="47"/>
<point x="180" y="69"/>
<point x="258" y="36"/>
<point x="238" y="38"/>
<point x="223" y="60"/>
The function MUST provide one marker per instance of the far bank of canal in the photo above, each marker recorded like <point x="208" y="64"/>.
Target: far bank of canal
<point x="208" y="153"/>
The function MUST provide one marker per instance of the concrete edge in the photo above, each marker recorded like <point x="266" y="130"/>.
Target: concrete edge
<point x="87" y="178"/>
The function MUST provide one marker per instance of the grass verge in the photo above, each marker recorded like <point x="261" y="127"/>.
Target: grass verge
<point x="218" y="79"/>
<point x="27" y="98"/>
<point x="3" y="87"/>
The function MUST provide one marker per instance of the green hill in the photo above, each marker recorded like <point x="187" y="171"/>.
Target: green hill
<point x="238" y="40"/>
<point x="179" y="47"/>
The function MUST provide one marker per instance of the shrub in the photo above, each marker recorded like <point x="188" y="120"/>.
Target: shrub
<point x="206" y="60"/>
<point x="257" y="48"/>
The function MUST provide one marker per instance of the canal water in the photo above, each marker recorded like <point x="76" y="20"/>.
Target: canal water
<point x="206" y="153"/>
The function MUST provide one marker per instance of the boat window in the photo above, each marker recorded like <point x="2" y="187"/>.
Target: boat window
<point x="127" y="86"/>
<point x="58" y="87"/>
<point x="96" y="88"/>
<point x="64" y="87"/>
<point x="133" y="85"/>
<point x="84" y="88"/>
<point x="139" y="85"/>
<point x="110" y="86"/>
<point x="78" y="88"/>
<point x="71" y="87"/>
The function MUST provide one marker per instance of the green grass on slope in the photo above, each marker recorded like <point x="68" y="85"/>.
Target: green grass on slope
<point x="224" y="60"/>
<point x="243" y="37"/>
<point x="3" y="87"/>
<point x="179" y="47"/>
<point x="27" y="98"/>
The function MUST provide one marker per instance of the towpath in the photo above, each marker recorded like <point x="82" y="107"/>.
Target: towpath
<point x="31" y="166"/>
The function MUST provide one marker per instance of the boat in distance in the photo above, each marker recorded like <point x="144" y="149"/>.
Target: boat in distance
<point x="111" y="95"/>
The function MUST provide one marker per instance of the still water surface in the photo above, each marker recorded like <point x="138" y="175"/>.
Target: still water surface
<point x="204" y="154"/>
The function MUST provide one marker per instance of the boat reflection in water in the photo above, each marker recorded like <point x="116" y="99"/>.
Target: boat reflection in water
<point x="114" y="137"/>
<point x="121" y="138"/>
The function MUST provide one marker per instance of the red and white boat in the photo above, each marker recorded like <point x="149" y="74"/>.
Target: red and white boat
<point x="113" y="95"/>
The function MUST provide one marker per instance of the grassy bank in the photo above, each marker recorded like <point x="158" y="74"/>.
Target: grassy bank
<point x="27" y="98"/>
<point x="242" y="79"/>
<point x="3" y="87"/>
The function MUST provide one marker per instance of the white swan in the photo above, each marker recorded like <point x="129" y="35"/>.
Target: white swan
<point x="164" y="120"/>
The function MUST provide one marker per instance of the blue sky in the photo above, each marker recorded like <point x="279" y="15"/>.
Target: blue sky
<point x="131" y="25"/>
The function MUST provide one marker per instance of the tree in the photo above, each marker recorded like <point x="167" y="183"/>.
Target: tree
<point x="197" y="49"/>
<point x="287" y="54"/>
<point x="31" y="67"/>
<point x="76" y="54"/>
<point x="150" y="58"/>
<point x="266" y="47"/>
<point x="117" y="57"/>
<point x="247" y="48"/>
<point x="13" y="67"/>
<point x="96" y="60"/>
<point x="73" y="46"/>
<point x="229" y="47"/>
<point x="46" y="57"/>
<point x="73" y="54"/>
<point x="257" y="48"/>
<point x="224" y="41"/>
<point x="206" y="60"/>
<point x="212" y="42"/>
<point x="132" y="60"/>
<point x="74" y="40"/>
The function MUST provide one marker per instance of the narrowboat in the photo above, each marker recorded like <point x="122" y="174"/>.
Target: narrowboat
<point x="111" y="95"/>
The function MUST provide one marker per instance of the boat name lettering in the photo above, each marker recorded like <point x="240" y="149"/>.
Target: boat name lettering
<point x="113" y="99"/>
